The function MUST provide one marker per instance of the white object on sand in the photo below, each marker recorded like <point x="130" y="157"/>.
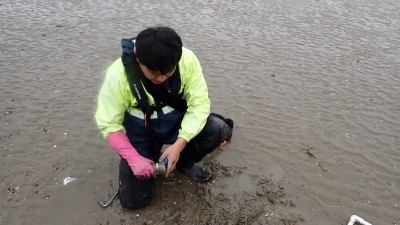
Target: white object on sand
<point x="68" y="180"/>
<point x="355" y="218"/>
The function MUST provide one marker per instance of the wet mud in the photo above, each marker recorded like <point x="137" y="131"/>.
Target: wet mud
<point x="216" y="202"/>
<point x="313" y="88"/>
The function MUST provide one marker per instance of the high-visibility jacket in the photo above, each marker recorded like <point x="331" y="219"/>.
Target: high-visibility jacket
<point x="115" y="98"/>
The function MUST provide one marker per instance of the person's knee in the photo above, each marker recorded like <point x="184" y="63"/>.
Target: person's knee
<point x="225" y="125"/>
<point x="214" y="135"/>
<point x="217" y="127"/>
<point x="134" y="193"/>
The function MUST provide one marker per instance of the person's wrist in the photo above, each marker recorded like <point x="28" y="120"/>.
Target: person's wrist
<point x="180" y="143"/>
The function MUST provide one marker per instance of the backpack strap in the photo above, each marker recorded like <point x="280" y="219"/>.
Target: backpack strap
<point x="129" y="59"/>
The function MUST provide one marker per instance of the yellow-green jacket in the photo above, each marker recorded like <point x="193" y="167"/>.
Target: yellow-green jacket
<point x="115" y="97"/>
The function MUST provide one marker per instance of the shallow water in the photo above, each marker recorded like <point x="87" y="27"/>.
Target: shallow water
<point x="313" y="88"/>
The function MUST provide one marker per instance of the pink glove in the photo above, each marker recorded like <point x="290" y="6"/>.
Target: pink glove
<point x="140" y="165"/>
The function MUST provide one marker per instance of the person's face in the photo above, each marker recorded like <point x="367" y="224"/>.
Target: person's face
<point x="156" y="76"/>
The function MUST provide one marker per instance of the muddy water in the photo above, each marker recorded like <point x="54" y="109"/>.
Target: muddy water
<point x="313" y="87"/>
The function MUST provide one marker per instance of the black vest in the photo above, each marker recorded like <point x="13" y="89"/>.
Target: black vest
<point x="136" y="78"/>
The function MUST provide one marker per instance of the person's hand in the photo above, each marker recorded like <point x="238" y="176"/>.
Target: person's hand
<point x="142" y="167"/>
<point x="173" y="153"/>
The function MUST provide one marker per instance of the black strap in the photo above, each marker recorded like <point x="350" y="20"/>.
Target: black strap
<point x="135" y="85"/>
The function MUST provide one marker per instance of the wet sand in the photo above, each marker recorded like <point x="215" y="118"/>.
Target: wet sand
<point x="313" y="88"/>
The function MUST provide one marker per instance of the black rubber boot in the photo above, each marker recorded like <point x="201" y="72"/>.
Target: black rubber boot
<point x="196" y="173"/>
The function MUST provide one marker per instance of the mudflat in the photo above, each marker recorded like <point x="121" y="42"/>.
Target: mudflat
<point x="313" y="88"/>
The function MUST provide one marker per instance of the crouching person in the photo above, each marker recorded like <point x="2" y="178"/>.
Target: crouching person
<point x="156" y="94"/>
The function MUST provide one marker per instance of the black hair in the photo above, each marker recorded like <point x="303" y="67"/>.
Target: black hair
<point x="159" y="48"/>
